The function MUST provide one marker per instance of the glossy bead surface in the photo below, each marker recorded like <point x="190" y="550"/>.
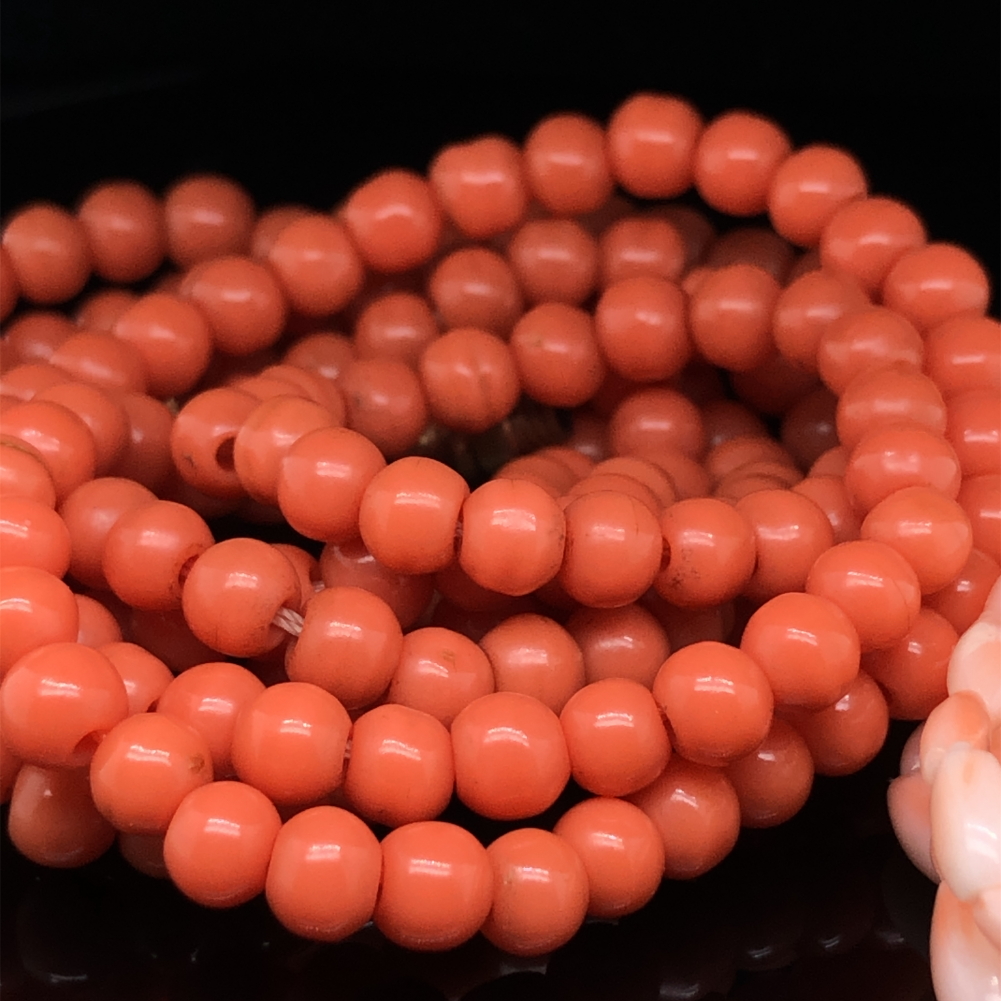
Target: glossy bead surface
<point x="846" y="736"/>
<point x="900" y="455"/>
<point x="615" y="737"/>
<point x="625" y="642"/>
<point x="790" y="532"/>
<point x="149" y="550"/>
<point x="208" y="698"/>
<point x="554" y="260"/>
<point x="928" y="529"/>
<point x="651" y="143"/>
<point x="536" y="656"/>
<point x="641" y="328"/>
<point x="317" y="265"/>
<point x="400" y="770"/>
<point x="105" y="418"/>
<point x="323" y="877"/>
<point x="613" y="549"/>
<point x="125" y="230"/>
<point x="289" y="743"/>
<point x="866" y="237"/>
<point x="696" y="811"/>
<point x="964" y="353"/>
<point x="773" y="782"/>
<point x="145" y="677"/>
<point x="219" y="843"/>
<point x="481" y="185"/>
<point x="513" y="536"/>
<point x="731" y="317"/>
<point x="974" y="430"/>
<point x="437" y="886"/>
<point x="622" y="852"/>
<point x="232" y="593"/>
<point x="394" y="220"/>
<point x="807" y="648"/>
<point x="62" y="440"/>
<point x="409" y="512"/>
<point x="873" y="585"/>
<point x="142" y="770"/>
<point x="349" y="645"/>
<point x="565" y="165"/>
<point x="32" y="534"/>
<point x="511" y="757"/>
<point x="52" y="819"/>
<point x="717" y="701"/>
<point x="24" y="474"/>
<point x="934" y="283"/>
<point x="540" y="892"/>
<point x="206" y="216"/>
<point x="174" y="339"/>
<point x="809" y="187"/>
<point x="655" y="420"/>
<point x="709" y="553"/>
<point x="386" y="403"/>
<point x="57" y="703"/>
<point x="439" y="673"/>
<point x="36" y="608"/>
<point x="912" y="673"/>
<point x="736" y="160"/>
<point x="48" y="251"/>
<point x="397" y="325"/>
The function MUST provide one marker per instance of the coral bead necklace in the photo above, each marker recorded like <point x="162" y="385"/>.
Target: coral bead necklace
<point x="665" y="606"/>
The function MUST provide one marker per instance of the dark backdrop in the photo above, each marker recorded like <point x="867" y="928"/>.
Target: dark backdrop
<point x="300" y="105"/>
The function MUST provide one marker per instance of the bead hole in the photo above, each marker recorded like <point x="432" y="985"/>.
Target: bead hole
<point x="224" y="454"/>
<point x="87" y="745"/>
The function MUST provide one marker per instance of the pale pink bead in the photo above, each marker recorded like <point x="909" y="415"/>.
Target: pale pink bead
<point x="961" y="719"/>
<point x="965" y="966"/>
<point x="965" y="817"/>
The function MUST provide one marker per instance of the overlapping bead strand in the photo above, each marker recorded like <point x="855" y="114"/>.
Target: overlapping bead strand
<point x="543" y="459"/>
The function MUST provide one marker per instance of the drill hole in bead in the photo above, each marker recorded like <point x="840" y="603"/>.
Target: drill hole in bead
<point x="224" y="454"/>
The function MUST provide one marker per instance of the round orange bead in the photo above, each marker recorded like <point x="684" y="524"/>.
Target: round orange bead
<point x="440" y="672"/>
<point x="846" y="736"/>
<point x="773" y="782"/>
<point x="324" y="874"/>
<point x="400" y="770"/>
<point x="316" y="264"/>
<point x="32" y="534"/>
<point x="208" y="698"/>
<point x="615" y="737"/>
<point x="622" y="852"/>
<point x="536" y="656"/>
<point x="565" y="164"/>
<point x="58" y="702"/>
<point x="554" y="260"/>
<point x="36" y="608"/>
<point x="481" y="185"/>
<point x="437" y="886"/>
<point x="717" y="701"/>
<point x="696" y="811"/>
<point x="511" y="757"/>
<point x="807" y="648"/>
<point x="809" y="187"/>
<point x="736" y="160"/>
<point x="232" y="593"/>
<point x="219" y="843"/>
<point x="513" y="536"/>
<point x="873" y="585"/>
<point x="398" y="325"/>
<point x="409" y="513"/>
<point x="349" y="645"/>
<point x="52" y="818"/>
<point x="540" y="892"/>
<point x="394" y="220"/>
<point x="640" y="326"/>
<point x="556" y="353"/>
<point x="48" y="252"/>
<point x="289" y="743"/>
<point x="613" y="549"/>
<point x="207" y="216"/>
<point x="125" y="228"/>
<point x="625" y="642"/>
<point x="651" y="144"/>
<point x="142" y="770"/>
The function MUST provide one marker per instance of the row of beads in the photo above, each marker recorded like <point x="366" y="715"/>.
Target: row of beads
<point x="746" y="764"/>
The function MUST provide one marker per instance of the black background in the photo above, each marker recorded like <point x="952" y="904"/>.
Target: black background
<point x="300" y="104"/>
